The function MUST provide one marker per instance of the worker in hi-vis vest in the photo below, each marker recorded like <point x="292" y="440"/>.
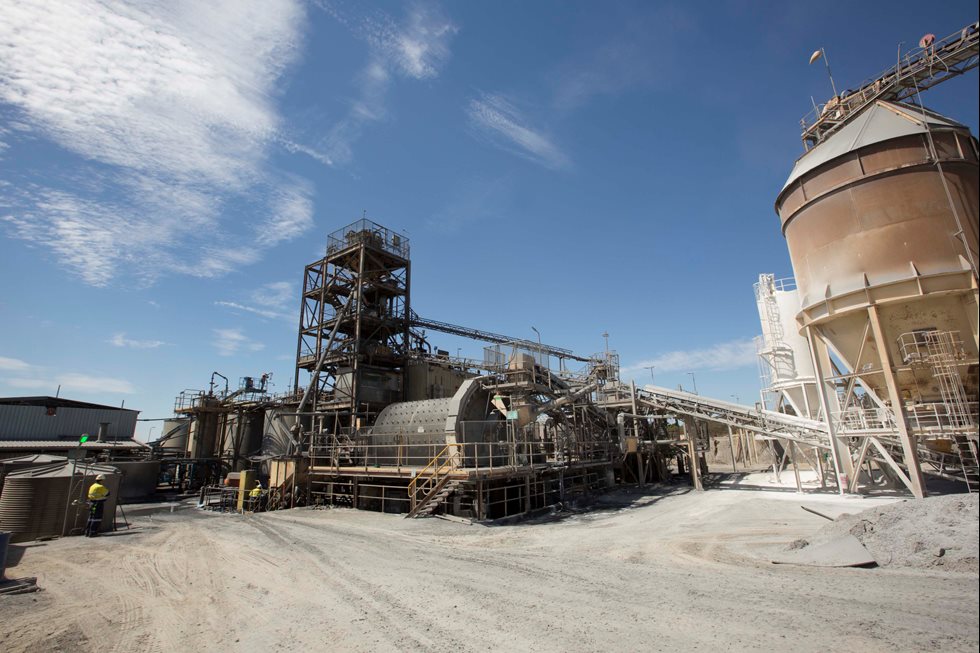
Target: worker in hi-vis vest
<point x="255" y="496"/>
<point x="97" y="494"/>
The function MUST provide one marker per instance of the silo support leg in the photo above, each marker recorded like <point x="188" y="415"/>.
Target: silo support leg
<point x="910" y="453"/>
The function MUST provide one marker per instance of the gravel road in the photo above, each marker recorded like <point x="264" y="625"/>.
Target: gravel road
<point x="657" y="570"/>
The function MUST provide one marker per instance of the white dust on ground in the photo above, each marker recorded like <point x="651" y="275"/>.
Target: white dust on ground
<point x="664" y="569"/>
<point x="941" y="533"/>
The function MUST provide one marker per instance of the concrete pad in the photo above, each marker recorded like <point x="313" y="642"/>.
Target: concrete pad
<point x="844" y="551"/>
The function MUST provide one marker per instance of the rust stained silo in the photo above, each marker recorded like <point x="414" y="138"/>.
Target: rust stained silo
<point x="881" y="221"/>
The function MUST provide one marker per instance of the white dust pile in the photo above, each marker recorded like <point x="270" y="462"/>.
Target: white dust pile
<point x="938" y="533"/>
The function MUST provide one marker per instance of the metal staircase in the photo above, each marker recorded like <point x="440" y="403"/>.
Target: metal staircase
<point x="433" y="483"/>
<point x="428" y="506"/>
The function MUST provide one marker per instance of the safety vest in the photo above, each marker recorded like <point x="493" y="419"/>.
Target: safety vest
<point x="97" y="492"/>
<point x="256" y="492"/>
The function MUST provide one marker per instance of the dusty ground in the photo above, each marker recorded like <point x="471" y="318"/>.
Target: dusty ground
<point x="664" y="570"/>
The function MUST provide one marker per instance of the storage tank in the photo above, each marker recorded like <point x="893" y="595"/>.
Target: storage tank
<point x="242" y="436"/>
<point x="785" y="353"/>
<point x="139" y="478"/>
<point x="884" y="213"/>
<point x="40" y="501"/>
<point x="175" y="432"/>
<point x="881" y="220"/>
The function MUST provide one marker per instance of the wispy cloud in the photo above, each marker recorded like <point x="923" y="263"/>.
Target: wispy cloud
<point x="291" y="217"/>
<point x="229" y="342"/>
<point x="624" y="60"/>
<point x="120" y="340"/>
<point x="13" y="364"/>
<point x="273" y="300"/>
<point x="496" y="119"/>
<point x="722" y="356"/>
<point x="168" y="110"/>
<point x="28" y="376"/>
<point x="415" y="48"/>
<point x="475" y="200"/>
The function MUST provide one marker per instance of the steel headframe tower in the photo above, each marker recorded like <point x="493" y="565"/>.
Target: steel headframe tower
<point x="359" y="293"/>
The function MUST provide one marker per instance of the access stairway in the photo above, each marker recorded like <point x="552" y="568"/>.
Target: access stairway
<point x="429" y="504"/>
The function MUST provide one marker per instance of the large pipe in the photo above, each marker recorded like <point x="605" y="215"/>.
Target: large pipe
<point x="563" y="400"/>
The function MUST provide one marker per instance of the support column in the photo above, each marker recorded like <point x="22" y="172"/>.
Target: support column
<point x="796" y="467"/>
<point x="910" y="452"/>
<point x="821" y="366"/>
<point x="692" y="457"/>
<point x="731" y="443"/>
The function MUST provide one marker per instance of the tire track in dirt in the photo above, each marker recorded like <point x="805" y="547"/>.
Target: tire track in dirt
<point x="384" y="607"/>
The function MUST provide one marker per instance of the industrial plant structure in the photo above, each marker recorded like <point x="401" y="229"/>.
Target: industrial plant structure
<point x="869" y="355"/>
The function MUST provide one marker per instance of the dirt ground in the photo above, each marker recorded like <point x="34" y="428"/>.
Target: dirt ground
<point x="660" y="569"/>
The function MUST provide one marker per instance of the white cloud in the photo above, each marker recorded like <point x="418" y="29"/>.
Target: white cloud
<point x="292" y="216"/>
<point x="229" y="342"/>
<point x="13" y="364"/>
<point x="261" y="312"/>
<point x="498" y="120"/>
<point x="35" y="377"/>
<point x="624" y="61"/>
<point x="273" y="300"/>
<point x="120" y="340"/>
<point x="420" y="46"/>
<point x="169" y="110"/>
<point x="477" y="200"/>
<point x="416" y="48"/>
<point x="277" y="294"/>
<point x="722" y="356"/>
<point x="75" y="382"/>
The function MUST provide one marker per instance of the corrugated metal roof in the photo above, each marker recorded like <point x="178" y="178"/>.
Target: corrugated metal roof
<point x="36" y="459"/>
<point x="882" y="121"/>
<point x="63" y="469"/>
<point x="55" y="402"/>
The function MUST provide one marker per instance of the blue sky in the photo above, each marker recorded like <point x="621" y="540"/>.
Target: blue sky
<point x="168" y="168"/>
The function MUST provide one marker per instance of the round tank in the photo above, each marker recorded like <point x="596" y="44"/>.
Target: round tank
<point x="35" y="502"/>
<point x="139" y="478"/>
<point x="175" y="433"/>
<point x="785" y="351"/>
<point x="870" y="220"/>
<point x="242" y="435"/>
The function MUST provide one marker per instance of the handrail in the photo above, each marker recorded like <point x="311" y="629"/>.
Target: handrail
<point x="922" y="68"/>
<point x="430" y="480"/>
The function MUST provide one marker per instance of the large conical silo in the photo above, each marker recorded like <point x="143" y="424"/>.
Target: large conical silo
<point x="881" y="220"/>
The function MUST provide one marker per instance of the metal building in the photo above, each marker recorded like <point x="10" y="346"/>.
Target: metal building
<point x="54" y="424"/>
